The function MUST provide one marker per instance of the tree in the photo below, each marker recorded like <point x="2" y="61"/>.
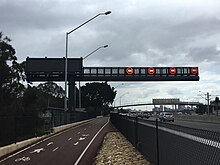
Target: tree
<point x="53" y="93"/>
<point x="11" y="75"/>
<point x="216" y="103"/>
<point x="201" y="109"/>
<point x="37" y="99"/>
<point x="96" y="98"/>
<point x="97" y="95"/>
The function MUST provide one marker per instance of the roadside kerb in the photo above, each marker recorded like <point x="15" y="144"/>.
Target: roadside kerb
<point x="19" y="145"/>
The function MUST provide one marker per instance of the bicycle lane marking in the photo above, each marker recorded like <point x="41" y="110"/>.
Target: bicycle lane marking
<point x="33" y="145"/>
<point x="82" y="154"/>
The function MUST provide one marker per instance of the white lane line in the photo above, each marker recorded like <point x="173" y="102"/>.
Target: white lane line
<point x="78" y="133"/>
<point x="50" y="143"/>
<point x="85" y="129"/>
<point x="80" y="157"/>
<point x="188" y="136"/>
<point x="75" y="144"/>
<point x="69" y="139"/>
<point x="55" y="149"/>
<point x="10" y="156"/>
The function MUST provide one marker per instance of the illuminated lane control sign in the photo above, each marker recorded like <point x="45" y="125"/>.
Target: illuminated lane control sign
<point x="151" y="71"/>
<point x="172" y="70"/>
<point x="129" y="70"/>
<point x="194" y="70"/>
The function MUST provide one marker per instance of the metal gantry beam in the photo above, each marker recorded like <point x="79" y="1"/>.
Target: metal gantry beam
<point x="121" y="74"/>
<point x="54" y="69"/>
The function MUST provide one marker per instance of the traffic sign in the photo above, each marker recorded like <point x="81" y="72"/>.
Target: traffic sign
<point x="151" y="70"/>
<point x="194" y="70"/>
<point x="129" y="70"/>
<point x="172" y="70"/>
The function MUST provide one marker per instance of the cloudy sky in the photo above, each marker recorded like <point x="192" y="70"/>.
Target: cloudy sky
<point x="138" y="32"/>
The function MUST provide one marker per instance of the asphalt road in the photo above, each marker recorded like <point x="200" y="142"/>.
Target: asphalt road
<point x="76" y="146"/>
<point x="194" y="124"/>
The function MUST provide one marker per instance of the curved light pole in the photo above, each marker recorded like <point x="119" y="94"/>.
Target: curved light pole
<point x="120" y="98"/>
<point x="116" y="88"/>
<point x="105" y="46"/>
<point x="66" y="61"/>
<point x="123" y="96"/>
<point x="119" y="85"/>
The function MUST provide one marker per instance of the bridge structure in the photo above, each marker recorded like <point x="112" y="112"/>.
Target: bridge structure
<point x="53" y="69"/>
<point x="144" y="104"/>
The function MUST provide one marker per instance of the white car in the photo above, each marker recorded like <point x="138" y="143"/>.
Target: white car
<point x="166" y="116"/>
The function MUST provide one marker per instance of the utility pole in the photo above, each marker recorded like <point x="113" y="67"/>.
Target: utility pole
<point x="208" y="97"/>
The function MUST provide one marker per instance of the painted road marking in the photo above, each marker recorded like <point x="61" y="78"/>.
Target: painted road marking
<point x="69" y="139"/>
<point x="81" y="138"/>
<point x="10" y="156"/>
<point x="78" y="133"/>
<point x="24" y="159"/>
<point x="85" y="135"/>
<point x="55" y="149"/>
<point x="37" y="150"/>
<point x="85" y="129"/>
<point x="75" y="144"/>
<point x="188" y="136"/>
<point x="16" y="153"/>
<point x="80" y="157"/>
<point x="50" y="143"/>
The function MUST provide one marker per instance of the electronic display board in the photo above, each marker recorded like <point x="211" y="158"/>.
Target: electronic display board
<point x="115" y="74"/>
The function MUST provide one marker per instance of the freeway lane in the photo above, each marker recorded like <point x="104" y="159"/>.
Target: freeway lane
<point x="199" y="125"/>
<point x="74" y="146"/>
<point x="195" y="124"/>
<point x="204" y="130"/>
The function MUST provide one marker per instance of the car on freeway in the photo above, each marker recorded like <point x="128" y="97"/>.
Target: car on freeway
<point x="166" y="116"/>
<point x="146" y="115"/>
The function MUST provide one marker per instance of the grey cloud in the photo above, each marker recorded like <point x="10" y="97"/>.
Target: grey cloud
<point x="204" y="54"/>
<point x="174" y="92"/>
<point x="139" y="33"/>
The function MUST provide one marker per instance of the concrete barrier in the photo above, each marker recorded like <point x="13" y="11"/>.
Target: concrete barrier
<point x="16" y="146"/>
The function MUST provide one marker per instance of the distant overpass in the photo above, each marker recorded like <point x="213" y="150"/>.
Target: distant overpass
<point x="143" y="104"/>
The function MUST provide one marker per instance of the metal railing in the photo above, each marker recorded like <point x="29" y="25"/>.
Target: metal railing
<point x="17" y="128"/>
<point x="167" y="144"/>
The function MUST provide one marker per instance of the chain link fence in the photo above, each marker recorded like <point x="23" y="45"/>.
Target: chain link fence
<point x="167" y="144"/>
<point x="17" y="128"/>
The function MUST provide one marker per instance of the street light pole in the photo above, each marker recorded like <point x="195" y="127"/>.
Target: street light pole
<point x="105" y="46"/>
<point x="207" y="97"/>
<point x="80" y="98"/>
<point x="66" y="60"/>
<point x="121" y="97"/>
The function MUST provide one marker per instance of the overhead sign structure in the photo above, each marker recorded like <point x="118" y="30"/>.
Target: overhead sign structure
<point x="165" y="101"/>
<point x="45" y="69"/>
<point x="139" y="74"/>
<point x="51" y="69"/>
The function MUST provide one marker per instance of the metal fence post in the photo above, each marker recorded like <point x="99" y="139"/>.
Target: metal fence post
<point x="136" y="131"/>
<point x="157" y="142"/>
<point x="15" y="130"/>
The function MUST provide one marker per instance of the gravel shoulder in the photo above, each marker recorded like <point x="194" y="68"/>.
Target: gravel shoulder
<point x="117" y="150"/>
